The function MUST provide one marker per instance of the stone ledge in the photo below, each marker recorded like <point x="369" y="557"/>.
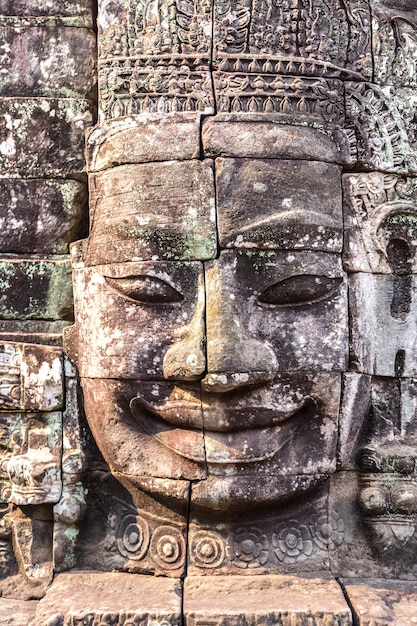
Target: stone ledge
<point x="264" y="601"/>
<point x="110" y="598"/>
<point x="17" y="612"/>
<point x="383" y="602"/>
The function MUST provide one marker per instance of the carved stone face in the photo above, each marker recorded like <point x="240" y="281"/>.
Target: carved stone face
<point x="221" y="368"/>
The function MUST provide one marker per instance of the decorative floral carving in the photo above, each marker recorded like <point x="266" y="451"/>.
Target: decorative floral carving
<point x="327" y="530"/>
<point x="382" y="129"/>
<point x="133" y="537"/>
<point x="207" y="549"/>
<point x="292" y="542"/>
<point x="247" y="548"/>
<point x="167" y="547"/>
<point x="251" y="91"/>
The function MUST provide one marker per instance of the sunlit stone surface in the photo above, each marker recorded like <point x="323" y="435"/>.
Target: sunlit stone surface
<point x="223" y="429"/>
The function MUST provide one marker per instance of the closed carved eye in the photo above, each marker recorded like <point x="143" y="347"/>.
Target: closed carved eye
<point x="298" y="290"/>
<point x="146" y="289"/>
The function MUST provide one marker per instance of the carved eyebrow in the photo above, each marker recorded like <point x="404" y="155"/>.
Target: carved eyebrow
<point x="283" y="216"/>
<point x="146" y="289"/>
<point x="274" y="224"/>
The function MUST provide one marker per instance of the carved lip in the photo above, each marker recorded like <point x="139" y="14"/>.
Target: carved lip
<point x="243" y="446"/>
<point x="221" y="417"/>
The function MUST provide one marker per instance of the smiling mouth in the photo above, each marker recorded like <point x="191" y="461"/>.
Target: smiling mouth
<point x="187" y="411"/>
<point x="173" y="425"/>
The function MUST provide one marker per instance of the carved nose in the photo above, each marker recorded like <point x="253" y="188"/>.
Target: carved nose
<point x="186" y="359"/>
<point x="234" y="358"/>
<point x="235" y="362"/>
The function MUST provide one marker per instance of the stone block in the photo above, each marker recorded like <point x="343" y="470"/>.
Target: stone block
<point x="31" y="377"/>
<point x="73" y="422"/>
<point x="33" y="331"/>
<point x="262" y="305"/>
<point x="121" y="531"/>
<point x="243" y="491"/>
<point x="17" y="612"/>
<point x="388" y="146"/>
<point x="278" y="96"/>
<point x="144" y="138"/>
<point x="33" y="289"/>
<point x="68" y="513"/>
<point x="306" y="420"/>
<point x="234" y="136"/>
<point x="394" y="30"/>
<point x="381" y="603"/>
<point x="380" y="213"/>
<point x="152" y="211"/>
<point x="161" y="74"/>
<point x="31" y="457"/>
<point x="294" y="537"/>
<point x="54" y="128"/>
<point x="266" y="600"/>
<point x="383" y="323"/>
<point x="379" y="540"/>
<point x="407" y="410"/>
<point x="140" y="309"/>
<point x="32" y="542"/>
<point x="88" y="596"/>
<point x="279" y="204"/>
<point x="259" y="453"/>
<point x="41" y="216"/>
<point x="317" y="42"/>
<point x="378" y="424"/>
<point x="354" y="413"/>
<point x="136" y="441"/>
<point x="64" y="8"/>
<point x="50" y="62"/>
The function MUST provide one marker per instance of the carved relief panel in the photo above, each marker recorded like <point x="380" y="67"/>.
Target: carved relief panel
<point x="155" y="57"/>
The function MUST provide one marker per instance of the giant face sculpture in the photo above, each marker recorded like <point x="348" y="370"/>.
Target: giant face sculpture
<point x="212" y="327"/>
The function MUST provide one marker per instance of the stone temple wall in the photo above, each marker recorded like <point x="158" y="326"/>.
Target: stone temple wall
<point x="208" y="312"/>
